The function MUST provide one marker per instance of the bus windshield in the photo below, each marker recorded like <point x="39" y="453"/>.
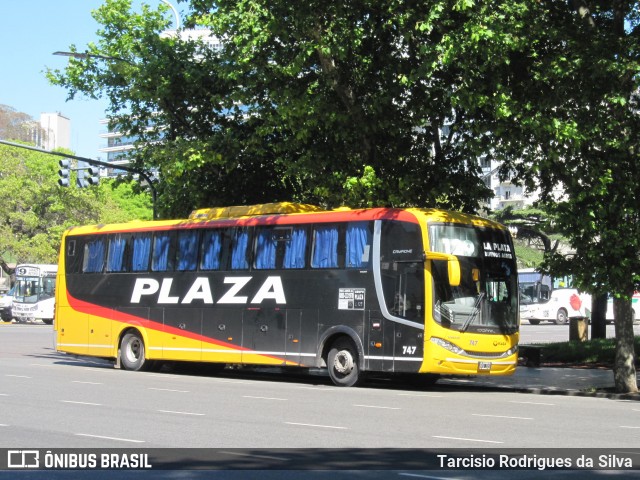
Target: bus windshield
<point x="33" y="289"/>
<point x="486" y="300"/>
<point x="536" y="287"/>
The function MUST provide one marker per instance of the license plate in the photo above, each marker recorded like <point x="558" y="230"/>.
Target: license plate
<point x="484" y="366"/>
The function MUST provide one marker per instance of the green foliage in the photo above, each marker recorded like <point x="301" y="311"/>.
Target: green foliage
<point x="35" y="211"/>
<point x="528" y="257"/>
<point x="595" y="352"/>
<point x="298" y="102"/>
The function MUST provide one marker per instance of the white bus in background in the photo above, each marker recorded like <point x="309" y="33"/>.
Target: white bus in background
<point x="34" y="293"/>
<point x="550" y="299"/>
<point x="635" y="308"/>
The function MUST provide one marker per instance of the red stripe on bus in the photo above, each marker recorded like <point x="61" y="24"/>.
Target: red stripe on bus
<point x="109" y="314"/>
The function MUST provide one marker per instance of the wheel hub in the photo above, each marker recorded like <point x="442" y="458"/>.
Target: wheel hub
<point x="343" y="362"/>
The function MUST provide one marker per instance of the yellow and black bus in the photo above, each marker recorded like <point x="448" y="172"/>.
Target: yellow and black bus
<point x="354" y="291"/>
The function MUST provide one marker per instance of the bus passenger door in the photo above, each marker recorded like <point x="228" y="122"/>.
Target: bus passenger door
<point x="408" y="303"/>
<point x="263" y="336"/>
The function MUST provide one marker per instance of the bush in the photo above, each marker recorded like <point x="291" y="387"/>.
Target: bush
<point x="592" y="353"/>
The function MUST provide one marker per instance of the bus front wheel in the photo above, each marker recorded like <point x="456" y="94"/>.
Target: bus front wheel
<point x="132" y="352"/>
<point x="342" y="362"/>
<point x="562" y="317"/>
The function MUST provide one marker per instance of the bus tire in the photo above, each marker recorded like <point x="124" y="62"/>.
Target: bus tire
<point x="47" y="321"/>
<point x="534" y="322"/>
<point x="562" y="316"/>
<point x="342" y="362"/>
<point x="132" y="352"/>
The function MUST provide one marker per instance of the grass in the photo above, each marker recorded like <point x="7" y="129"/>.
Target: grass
<point x="592" y="353"/>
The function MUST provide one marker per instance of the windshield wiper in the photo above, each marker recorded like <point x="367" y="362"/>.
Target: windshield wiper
<point x="473" y="316"/>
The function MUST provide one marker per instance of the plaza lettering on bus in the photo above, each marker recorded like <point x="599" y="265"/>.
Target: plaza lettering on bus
<point x="200" y="289"/>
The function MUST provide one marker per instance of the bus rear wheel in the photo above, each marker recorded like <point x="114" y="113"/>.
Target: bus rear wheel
<point x="342" y="362"/>
<point x="132" y="352"/>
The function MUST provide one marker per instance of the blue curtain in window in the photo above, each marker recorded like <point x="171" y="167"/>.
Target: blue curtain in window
<point x="266" y="250"/>
<point x="358" y="245"/>
<point x="115" y="259"/>
<point x="141" y="250"/>
<point x="294" y="252"/>
<point x="187" y="250"/>
<point x="160" y="257"/>
<point x="95" y="256"/>
<point x="325" y="249"/>
<point x="211" y="246"/>
<point x="239" y="251"/>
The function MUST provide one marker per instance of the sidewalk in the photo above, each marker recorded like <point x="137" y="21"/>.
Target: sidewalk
<point x="593" y="382"/>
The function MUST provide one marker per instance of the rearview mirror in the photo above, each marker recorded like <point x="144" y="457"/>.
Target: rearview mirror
<point x="453" y="266"/>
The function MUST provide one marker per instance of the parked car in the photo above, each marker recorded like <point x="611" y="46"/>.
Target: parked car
<point x="635" y="308"/>
<point x="6" y="302"/>
<point x="563" y="304"/>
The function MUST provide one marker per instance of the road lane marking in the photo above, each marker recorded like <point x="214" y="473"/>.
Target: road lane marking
<point x="378" y="406"/>
<point x="533" y="403"/>
<point x="501" y="416"/>
<point x="315" y="425"/>
<point x="16" y="376"/>
<point x="181" y="413"/>
<point x="466" y="439"/>
<point x="266" y="398"/>
<point x="627" y="426"/>
<point x="82" y="403"/>
<point x="87" y="383"/>
<point x="168" y="390"/>
<point x="109" y="438"/>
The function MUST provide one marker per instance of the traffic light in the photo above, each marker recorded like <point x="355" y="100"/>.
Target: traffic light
<point x="64" y="172"/>
<point x="93" y="175"/>
<point x="80" y="181"/>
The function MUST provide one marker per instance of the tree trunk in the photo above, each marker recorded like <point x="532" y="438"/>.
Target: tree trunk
<point x="624" y="369"/>
<point x="599" y="315"/>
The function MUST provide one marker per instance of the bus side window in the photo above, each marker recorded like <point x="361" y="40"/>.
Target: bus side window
<point x="93" y="261"/>
<point x="240" y="248"/>
<point x="325" y="246"/>
<point x="163" y="252"/>
<point x="141" y="251"/>
<point x="358" y="244"/>
<point x="210" y="250"/>
<point x="117" y="254"/>
<point x="187" y="252"/>
<point x="296" y="249"/>
<point x="266" y="248"/>
<point x="73" y="258"/>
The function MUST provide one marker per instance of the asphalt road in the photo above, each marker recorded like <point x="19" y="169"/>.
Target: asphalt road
<point x="51" y="400"/>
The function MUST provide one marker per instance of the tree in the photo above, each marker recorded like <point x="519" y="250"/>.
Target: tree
<point x="317" y="103"/>
<point x="16" y="125"/>
<point x="34" y="210"/>
<point x="567" y="116"/>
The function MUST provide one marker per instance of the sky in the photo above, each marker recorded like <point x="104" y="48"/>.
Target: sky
<point x="31" y="31"/>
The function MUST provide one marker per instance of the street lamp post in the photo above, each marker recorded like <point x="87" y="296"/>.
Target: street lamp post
<point x="175" y="12"/>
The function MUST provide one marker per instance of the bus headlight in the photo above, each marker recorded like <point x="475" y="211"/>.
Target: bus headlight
<point x="448" y="345"/>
